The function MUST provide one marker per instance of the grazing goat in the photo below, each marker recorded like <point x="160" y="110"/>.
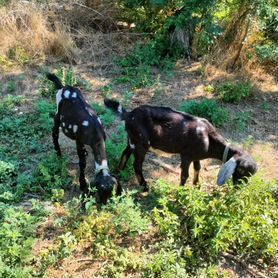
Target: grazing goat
<point x="171" y="131"/>
<point x="80" y="122"/>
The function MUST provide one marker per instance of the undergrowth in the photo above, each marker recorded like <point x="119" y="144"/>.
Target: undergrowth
<point x="207" y="108"/>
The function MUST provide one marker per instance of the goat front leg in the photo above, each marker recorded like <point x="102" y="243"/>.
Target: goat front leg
<point x="124" y="158"/>
<point x="139" y="155"/>
<point x="81" y="151"/>
<point x="197" y="167"/>
<point x="55" y="134"/>
<point x="184" y="170"/>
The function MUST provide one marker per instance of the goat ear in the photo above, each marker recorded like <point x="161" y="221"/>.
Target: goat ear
<point x="226" y="171"/>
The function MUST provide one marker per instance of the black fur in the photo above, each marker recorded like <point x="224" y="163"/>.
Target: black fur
<point x="80" y="122"/>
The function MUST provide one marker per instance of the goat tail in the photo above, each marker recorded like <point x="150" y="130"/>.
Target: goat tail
<point x="115" y="106"/>
<point x="52" y="77"/>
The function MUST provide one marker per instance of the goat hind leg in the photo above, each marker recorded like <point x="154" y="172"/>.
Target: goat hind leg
<point x="55" y="134"/>
<point x="139" y="155"/>
<point x="124" y="158"/>
<point x="197" y="167"/>
<point x="81" y="151"/>
<point x="184" y="170"/>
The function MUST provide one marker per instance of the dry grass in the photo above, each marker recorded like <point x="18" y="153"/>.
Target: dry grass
<point x="26" y="35"/>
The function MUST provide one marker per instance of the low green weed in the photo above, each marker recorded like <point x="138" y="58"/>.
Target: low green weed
<point x="11" y="87"/>
<point x="19" y="55"/>
<point x="241" y="120"/>
<point x="210" y="89"/>
<point x="9" y="102"/>
<point x="17" y="233"/>
<point x="235" y="92"/>
<point x="127" y="217"/>
<point x="207" y="108"/>
<point x="52" y="174"/>
<point x="136" y="66"/>
<point x="45" y="111"/>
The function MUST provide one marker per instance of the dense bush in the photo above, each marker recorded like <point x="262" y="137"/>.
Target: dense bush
<point x="267" y="53"/>
<point x="207" y="108"/>
<point x="235" y="92"/>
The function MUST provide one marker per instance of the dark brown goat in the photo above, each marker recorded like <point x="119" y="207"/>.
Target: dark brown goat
<point x="171" y="131"/>
<point x="80" y="122"/>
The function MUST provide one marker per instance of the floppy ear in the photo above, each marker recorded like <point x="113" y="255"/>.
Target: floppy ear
<point x="226" y="171"/>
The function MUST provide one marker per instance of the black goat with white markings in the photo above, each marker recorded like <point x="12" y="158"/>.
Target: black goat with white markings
<point x="171" y="131"/>
<point x="80" y="122"/>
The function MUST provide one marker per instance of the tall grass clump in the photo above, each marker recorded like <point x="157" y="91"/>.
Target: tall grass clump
<point x="26" y="35"/>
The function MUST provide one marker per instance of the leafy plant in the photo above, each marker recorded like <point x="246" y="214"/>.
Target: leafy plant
<point x="19" y="55"/>
<point x="207" y="108"/>
<point x="52" y="174"/>
<point x="11" y="87"/>
<point x="267" y="53"/>
<point x="17" y="230"/>
<point x="67" y="77"/>
<point x="241" y="120"/>
<point x="235" y="92"/>
<point x="7" y="173"/>
<point x="45" y="111"/>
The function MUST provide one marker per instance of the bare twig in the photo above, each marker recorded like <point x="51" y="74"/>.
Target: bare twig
<point x="165" y="166"/>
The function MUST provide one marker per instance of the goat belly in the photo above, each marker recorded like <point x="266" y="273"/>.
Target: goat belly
<point x="69" y="133"/>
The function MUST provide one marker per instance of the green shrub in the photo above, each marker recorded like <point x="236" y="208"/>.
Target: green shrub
<point x="7" y="173"/>
<point x="207" y="108"/>
<point x="127" y="216"/>
<point x="267" y="53"/>
<point x="238" y="220"/>
<point x="136" y="67"/>
<point x="45" y="111"/>
<point x="9" y="102"/>
<point x="51" y="174"/>
<point x="235" y="92"/>
<point x="17" y="232"/>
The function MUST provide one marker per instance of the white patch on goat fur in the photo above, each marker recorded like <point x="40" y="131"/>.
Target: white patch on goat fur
<point x="70" y="126"/>
<point x="75" y="128"/>
<point x="103" y="166"/>
<point x="63" y="124"/>
<point x="200" y="129"/>
<point x="85" y="123"/>
<point x="74" y="95"/>
<point x="132" y="146"/>
<point x="105" y="172"/>
<point x="120" y="109"/>
<point x="66" y="131"/>
<point x="58" y="97"/>
<point x="104" y="163"/>
<point x="66" y="94"/>
<point x="99" y="120"/>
